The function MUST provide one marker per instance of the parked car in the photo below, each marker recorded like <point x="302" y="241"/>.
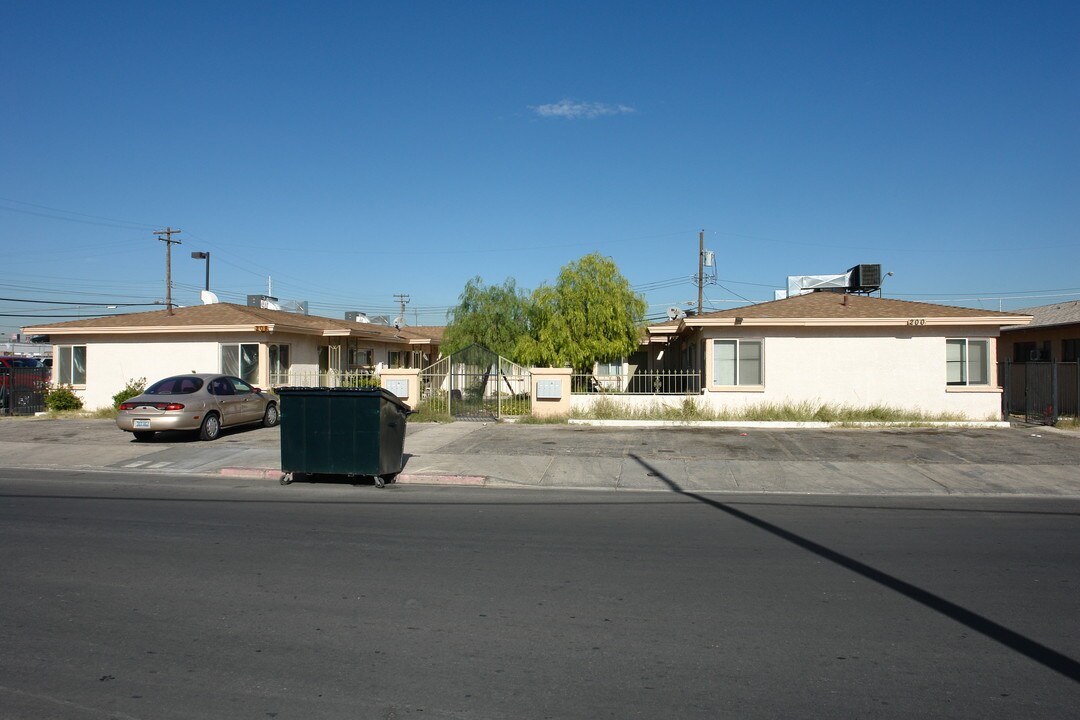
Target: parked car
<point x="20" y="362"/>
<point x="205" y="403"/>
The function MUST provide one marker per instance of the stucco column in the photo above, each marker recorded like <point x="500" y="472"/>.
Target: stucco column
<point x="550" y="391"/>
<point x="402" y="382"/>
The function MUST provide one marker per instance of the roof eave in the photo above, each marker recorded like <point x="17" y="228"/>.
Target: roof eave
<point x="854" y="322"/>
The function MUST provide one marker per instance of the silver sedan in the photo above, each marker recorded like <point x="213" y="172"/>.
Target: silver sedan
<point x="202" y="402"/>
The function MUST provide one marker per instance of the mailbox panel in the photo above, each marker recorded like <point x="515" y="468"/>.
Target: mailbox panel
<point x="548" y="389"/>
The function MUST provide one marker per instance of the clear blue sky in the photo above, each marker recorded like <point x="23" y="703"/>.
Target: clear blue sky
<point x="352" y="151"/>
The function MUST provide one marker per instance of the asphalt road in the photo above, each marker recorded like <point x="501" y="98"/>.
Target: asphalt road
<point x="200" y="597"/>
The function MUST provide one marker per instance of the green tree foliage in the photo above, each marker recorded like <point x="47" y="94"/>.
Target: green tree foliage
<point x="495" y="316"/>
<point x="589" y="315"/>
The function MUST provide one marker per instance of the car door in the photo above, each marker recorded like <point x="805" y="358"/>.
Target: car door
<point x="249" y="404"/>
<point x="228" y="403"/>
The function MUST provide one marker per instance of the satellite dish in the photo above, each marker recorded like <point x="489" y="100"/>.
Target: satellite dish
<point x="675" y="313"/>
<point x="208" y="298"/>
<point x="398" y="322"/>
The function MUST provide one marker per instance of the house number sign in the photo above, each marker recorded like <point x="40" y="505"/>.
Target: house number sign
<point x="264" y="328"/>
<point x="917" y="321"/>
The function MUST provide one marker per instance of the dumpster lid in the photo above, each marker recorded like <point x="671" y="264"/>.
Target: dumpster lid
<point x="343" y="392"/>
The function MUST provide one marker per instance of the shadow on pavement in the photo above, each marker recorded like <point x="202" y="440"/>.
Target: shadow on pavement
<point x="1031" y="649"/>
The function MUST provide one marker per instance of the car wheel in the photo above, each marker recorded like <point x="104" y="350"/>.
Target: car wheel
<point x="144" y="435"/>
<point x="210" y="428"/>
<point x="271" y="417"/>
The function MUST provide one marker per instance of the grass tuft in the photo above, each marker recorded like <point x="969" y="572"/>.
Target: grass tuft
<point x="692" y="410"/>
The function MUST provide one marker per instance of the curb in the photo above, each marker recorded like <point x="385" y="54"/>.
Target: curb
<point x="402" y="479"/>
<point x="784" y="425"/>
<point x="268" y="473"/>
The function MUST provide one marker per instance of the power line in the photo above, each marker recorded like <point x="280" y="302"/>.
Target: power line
<point x="105" y="221"/>
<point x="77" y="303"/>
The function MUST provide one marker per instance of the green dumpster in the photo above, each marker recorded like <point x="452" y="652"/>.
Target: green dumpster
<point x="341" y="431"/>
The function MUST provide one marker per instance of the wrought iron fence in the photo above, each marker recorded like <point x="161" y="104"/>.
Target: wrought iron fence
<point x="474" y="383"/>
<point x="23" y="390"/>
<point x="1040" y="391"/>
<point x="343" y="379"/>
<point x="641" y="382"/>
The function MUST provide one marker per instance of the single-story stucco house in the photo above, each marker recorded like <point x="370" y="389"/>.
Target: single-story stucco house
<point x="268" y="348"/>
<point x="841" y="349"/>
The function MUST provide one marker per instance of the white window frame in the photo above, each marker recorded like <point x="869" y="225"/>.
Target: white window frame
<point x="738" y="344"/>
<point x="966" y="362"/>
<point x="274" y="352"/>
<point x="613" y="369"/>
<point x="245" y="373"/>
<point x="65" y="367"/>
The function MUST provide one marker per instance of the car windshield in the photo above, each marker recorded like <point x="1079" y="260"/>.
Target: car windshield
<point x="183" y="385"/>
<point x="25" y="362"/>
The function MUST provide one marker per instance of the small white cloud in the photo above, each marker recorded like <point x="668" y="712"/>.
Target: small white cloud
<point x="572" y="110"/>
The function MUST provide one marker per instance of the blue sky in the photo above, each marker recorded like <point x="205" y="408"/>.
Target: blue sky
<point x="353" y="151"/>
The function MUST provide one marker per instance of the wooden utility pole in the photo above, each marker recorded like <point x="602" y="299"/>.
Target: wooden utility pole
<point x="168" y="232"/>
<point x="700" y="269"/>
<point x="403" y="300"/>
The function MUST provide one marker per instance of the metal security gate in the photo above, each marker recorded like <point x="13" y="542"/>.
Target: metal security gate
<point x="23" y="390"/>
<point x="1042" y="392"/>
<point x="474" y="384"/>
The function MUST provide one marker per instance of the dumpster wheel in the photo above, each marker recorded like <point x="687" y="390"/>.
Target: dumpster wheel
<point x="287" y="479"/>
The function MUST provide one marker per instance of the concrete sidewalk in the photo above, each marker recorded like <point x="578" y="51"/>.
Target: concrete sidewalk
<point x="752" y="460"/>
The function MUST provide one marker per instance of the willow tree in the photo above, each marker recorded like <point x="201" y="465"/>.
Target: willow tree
<point x="590" y="314"/>
<point x="494" y="316"/>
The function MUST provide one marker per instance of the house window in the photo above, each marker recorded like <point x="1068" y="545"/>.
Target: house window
<point x="609" y="369"/>
<point x="71" y="365"/>
<point x="405" y="359"/>
<point x="1069" y="350"/>
<point x="241" y="360"/>
<point x="967" y="362"/>
<point x="360" y="357"/>
<point x="1031" y="352"/>
<point x="278" y="357"/>
<point x="737" y="362"/>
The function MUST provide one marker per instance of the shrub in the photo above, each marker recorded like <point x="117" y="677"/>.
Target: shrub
<point x="133" y="388"/>
<point x="62" y="397"/>
<point x="360" y="381"/>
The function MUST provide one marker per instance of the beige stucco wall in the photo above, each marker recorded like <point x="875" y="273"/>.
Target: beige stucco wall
<point x="411" y="376"/>
<point x="859" y="367"/>
<point x="112" y="362"/>
<point x="551" y="407"/>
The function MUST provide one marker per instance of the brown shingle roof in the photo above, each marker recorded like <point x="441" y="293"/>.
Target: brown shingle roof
<point x="226" y="315"/>
<point x="842" y="307"/>
<point x="1066" y="313"/>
